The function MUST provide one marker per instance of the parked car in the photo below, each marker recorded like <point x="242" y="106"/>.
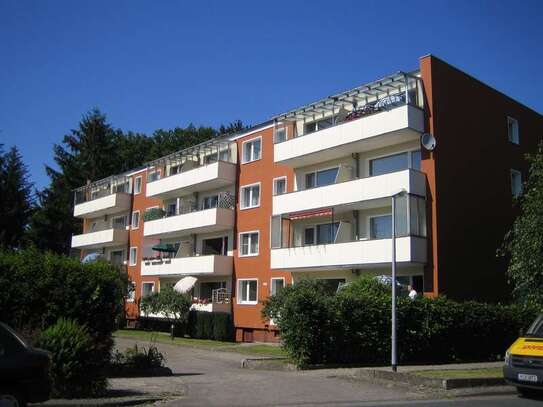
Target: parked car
<point x="24" y="371"/>
<point x="524" y="361"/>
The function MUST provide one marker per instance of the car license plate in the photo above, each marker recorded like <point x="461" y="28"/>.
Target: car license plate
<point x="527" y="377"/>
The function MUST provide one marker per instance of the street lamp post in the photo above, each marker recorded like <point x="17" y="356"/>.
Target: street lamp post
<point x="394" y="339"/>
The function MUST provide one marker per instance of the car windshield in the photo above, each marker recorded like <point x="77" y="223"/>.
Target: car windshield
<point x="536" y="329"/>
<point x="9" y="340"/>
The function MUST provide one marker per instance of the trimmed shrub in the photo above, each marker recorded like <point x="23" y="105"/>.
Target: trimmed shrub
<point x="223" y="326"/>
<point x="353" y="326"/>
<point x="210" y="325"/>
<point x="75" y="372"/>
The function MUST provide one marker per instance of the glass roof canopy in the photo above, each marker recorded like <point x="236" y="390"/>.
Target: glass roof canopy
<point x="357" y="97"/>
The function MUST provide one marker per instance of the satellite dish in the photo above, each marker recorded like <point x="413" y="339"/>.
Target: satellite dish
<point x="428" y="141"/>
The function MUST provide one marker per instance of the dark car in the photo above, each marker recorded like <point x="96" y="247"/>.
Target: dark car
<point x="24" y="371"/>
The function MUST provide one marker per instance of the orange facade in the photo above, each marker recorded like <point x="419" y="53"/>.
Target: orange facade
<point x="468" y="197"/>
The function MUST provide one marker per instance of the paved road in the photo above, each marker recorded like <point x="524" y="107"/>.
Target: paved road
<point x="215" y="379"/>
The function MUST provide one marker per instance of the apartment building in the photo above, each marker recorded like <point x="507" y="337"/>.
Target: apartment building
<point x="309" y="193"/>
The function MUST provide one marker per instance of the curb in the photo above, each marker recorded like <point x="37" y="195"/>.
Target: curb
<point x="444" y="384"/>
<point x="272" y="363"/>
<point x="105" y="402"/>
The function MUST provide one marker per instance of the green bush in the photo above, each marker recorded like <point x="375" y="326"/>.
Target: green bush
<point x="37" y="289"/>
<point x="75" y="372"/>
<point x="223" y="326"/>
<point x="139" y="358"/>
<point x="353" y="326"/>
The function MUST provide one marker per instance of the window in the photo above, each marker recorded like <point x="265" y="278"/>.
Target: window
<point x="280" y="135"/>
<point x="137" y="186"/>
<point x="248" y="243"/>
<point x="279" y="186"/>
<point x="175" y="169"/>
<point x="332" y="284"/>
<point x="277" y="284"/>
<point x="415" y="159"/>
<point x="381" y="227"/>
<point x="321" y="178"/>
<point x="516" y="183"/>
<point x="116" y="257"/>
<point x="171" y="209"/>
<point x="147" y="289"/>
<point x="319" y="125"/>
<point x="252" y="150"/>
<point x="512" y="130"/>
<point x="210" y="202"/>
<point x="216" y="245"/>
<point x="119" y="222"/>
<point x="395" y="162"/>
<point x="133" y="259"/>
<point x="131" y="292"/>
<point x="321" y="234"/>
<point x="135" y="219"/>
<point x="153" y="176"/>
<point x="250" y="196"/>
<point x="247" y="291"/>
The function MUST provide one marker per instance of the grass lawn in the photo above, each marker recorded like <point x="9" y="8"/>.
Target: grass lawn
<point x="163" y="337"/>
<point x="461" y="373"/>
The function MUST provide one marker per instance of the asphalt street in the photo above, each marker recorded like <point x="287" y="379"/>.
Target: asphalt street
<point x="214" y="378"/>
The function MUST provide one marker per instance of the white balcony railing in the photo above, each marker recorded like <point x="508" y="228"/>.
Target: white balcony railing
<point x="102" y="238"/>
<point x="350" y="192"/>
<point x="207" y="177"/>
<point x="204" y="221"/>
<point x="105" y="205"/>
<point x="394" y="126"/>
<point x="355" y="254"/>
<point x="205" y="265"/>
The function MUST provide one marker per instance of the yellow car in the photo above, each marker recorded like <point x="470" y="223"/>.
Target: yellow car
<point x="524" y="361"/>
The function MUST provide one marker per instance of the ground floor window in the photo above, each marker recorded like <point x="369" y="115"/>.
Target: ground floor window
<point x="332" y="284"/>
<point x="247" y="291"/>
<point x="277" y="284"/>
<point x="131" y="292"/>
<point x="206" y="289"/>
<point x="147" y="289"/>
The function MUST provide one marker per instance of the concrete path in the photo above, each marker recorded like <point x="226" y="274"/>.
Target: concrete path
<point x="216" y="379"/>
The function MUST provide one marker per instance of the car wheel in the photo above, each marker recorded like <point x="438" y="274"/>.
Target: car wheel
<point x="11" y="399"/>
<point x="528" y="393"/>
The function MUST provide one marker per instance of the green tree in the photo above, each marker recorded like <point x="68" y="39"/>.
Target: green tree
<point x="524" y="242"/>
<point x="16" y="201"/>
<point x="170" y="304"/>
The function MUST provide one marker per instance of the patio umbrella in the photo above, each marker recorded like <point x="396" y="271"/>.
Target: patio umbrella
<point x="185" y="284"/>
<point x="92" y="257"/>
<point x="165" y="248"/>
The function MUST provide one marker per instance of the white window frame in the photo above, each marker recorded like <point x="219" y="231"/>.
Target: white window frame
<point x="515" y="137"/>
<point x="132" y="220"/>
<point x="136" y="191"/>
<point x="147" y="282"/>
<point x="333" y="167"/>
<point x="250" y="232"/>
<point x="285" y="128"/>
<point x="409" y="152"/>
<point x="241" y="195"/>
<point x="275" y="185"/>
<point x="243" y="161"/>
<point x="131" y="261"/>
<point x="271" y="283"/>
<point x="513" y="192"/>
<point x="238" y="293"/>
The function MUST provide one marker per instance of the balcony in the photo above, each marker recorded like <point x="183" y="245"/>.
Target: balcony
<point x="105" y="205"/>
<point x="200" y="221"/>
<point x="351" y="192"/>
<point x="204" y="178"/>
<point x="99" y="239"/>
<point x="355" y="254"/>
<point x="206" y="265"/>
<point x="388" y="127"/>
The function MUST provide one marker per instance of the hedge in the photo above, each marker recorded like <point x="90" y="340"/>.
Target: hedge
<point x="353" y="326"/>
<point x="200" y="325"/>
<point x="37" y="289"/>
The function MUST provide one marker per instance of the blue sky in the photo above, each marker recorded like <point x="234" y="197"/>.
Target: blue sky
<point x="161" y="64"/>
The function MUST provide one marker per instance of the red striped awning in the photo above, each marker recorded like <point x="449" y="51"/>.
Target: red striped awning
<point x="311" y="214"/>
